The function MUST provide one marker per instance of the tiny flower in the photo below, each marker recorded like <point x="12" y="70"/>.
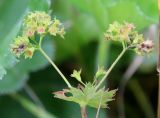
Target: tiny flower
<point x="30" y="32"/>
<point x="107" y="36"/>
<point x="19" y="45"/>
<point x="29" y="52"/>
<point x="56" y="28"/>
<point x="145" y="47"/>
<point x="124" y="33"/>
<point x="61" y="32"/>
<point x="77" y="75"/>
<point x="36" y="21"/>
<point x="130" y="26"/>
<point x="101" y="72"/>
<point x="136" y="38"/>
<point x="53" y="30"/>
<point x="125" y="30"/>
<point x="41" y="30"/>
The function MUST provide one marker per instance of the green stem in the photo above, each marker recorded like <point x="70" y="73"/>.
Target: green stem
<point x="40" y="41"/>
<point x="141" y="98"/>
<point x="83" y="112"/>
<point x="52" y="63"/>
<point x="112" y="66"/>
<point x="57" y="69"/>
<point x="97" y="114"/>
<point x="32" y="108"/>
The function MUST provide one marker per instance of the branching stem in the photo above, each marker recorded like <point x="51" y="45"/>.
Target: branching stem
<point x="56" y="68"/>
<point x="53" y="64"/>
<point x="112" y="66"/>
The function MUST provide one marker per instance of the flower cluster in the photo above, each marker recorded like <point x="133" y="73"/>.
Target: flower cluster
<point x="56" y="28"/>
<point x="144" y="47"/>
<point x="22" y="46"/>
<point x="41" y="23"/>
<point x="38" y="23"/>
<point x="127" y="34"/>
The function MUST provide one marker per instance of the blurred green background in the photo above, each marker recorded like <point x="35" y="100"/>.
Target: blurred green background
<point x="84" y="47"/>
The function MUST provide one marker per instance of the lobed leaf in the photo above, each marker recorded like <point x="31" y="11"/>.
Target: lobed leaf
<point x="87" y="96"/>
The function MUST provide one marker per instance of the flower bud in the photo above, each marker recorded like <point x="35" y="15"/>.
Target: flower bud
<point x="41" y="30"/>
<point x="36" y="22"/>
<point x="29" y="52"/>
<point x="56" y="28"/>
<point x="19" y="46"/>
<point x="145" y="47"/>
<point x="124" y="33"/>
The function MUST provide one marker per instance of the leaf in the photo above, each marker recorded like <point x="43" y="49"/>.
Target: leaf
<point x="39" y="5"/>
<point x="7" y="32"/>
<point x="7" y="59"/>
<point x="100" y="73"/>
<point x="81" y="4"/>
<point x="12" y="81"/>
<point x="77" y="75"/>
<point x="145" y="8"/>
<point x="17" y="76"/>
<point x="87" y="96"/>
<point x="121" y="12"/>
<point x="11" y="13"/>
<point x="2" y="72"/>
<point x="34" y="109"/>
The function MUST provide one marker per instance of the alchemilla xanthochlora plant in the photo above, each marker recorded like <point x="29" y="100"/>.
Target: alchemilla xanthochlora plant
<point x="37" y="25"/>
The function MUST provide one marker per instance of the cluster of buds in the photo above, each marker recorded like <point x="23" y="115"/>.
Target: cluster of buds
<point x="56" y="28"/>
<point x="127" y="34"/>
<point x="41" y="23"/>
<point x="35" y="23"/>
<point x="22" y="46"/>
<point x="121" y="32"/>
<point x="144" y="47"/>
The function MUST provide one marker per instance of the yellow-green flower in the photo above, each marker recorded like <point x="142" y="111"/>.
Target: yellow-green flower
<point x="124" y="32"/>
<point x="56" y="28"/>
<point x="19" y="45"/>
<point x="145" y="47"/>
<point x="29" y="52"/>
<point x="36" y="22"/>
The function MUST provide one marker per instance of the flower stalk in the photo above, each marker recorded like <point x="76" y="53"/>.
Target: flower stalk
<point x="56" y="68"/>
<point x="83" y="112"/>
<point x="111" y="67"/>
<point x="52" y="63"/>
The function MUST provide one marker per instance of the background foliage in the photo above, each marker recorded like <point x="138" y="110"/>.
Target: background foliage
<point x="83" y="47"/>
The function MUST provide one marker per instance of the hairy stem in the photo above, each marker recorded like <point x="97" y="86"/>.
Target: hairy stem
<point x="111" y="67"/>
<point x="56" y="68"/>
<point x="83" y="112"/>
